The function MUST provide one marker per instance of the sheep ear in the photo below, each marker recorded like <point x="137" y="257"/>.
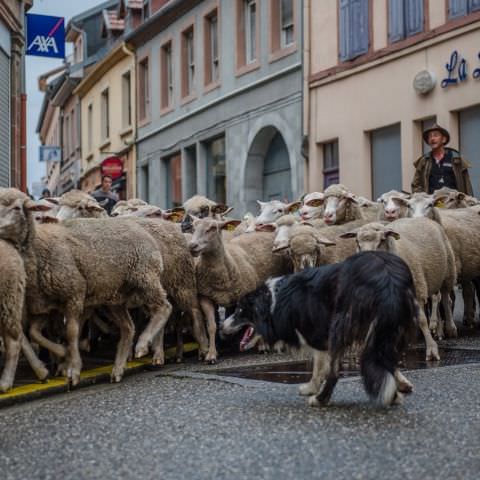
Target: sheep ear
<point x="461" y="196"/>
<point x="293" y="207"/>
<point x="308" y="224"/>
<point x="52" y="200"/>
<point x="401" y="200"/>
<point x="392" y="233"/>
<point x="316" y="202"/>
<point x="179" y="210"/>
<point x="351" y="196"/>
<point x="175" y="217"/>
<point x="94" y="208"/>
<point x="48" y="219"/>
<point x="267" y="227"/>
<point x="31" y="206"/>
<point x="440" y="201"/>
<point x="220" y="209"/>
<point x="352" y="234"/>
<point x="325" y="241"/>
<point x="230" y="225"/>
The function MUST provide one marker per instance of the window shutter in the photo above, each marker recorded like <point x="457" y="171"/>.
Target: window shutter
<point x="396" y="17"/>
<point x="359" y="30"/>
<point x="344" y="26"/>
<point x="474" y="5"/>
<point x="457" y="8"/>
<point x="414" y="17"/>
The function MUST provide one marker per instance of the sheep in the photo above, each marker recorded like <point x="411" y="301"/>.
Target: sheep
<point x="312" y="206"/>
<point x="424" y="246"/>
<point x="394" y="205"/>
<point x="462" y="227"/>
<point x="341" y="205"/>
<point x="12" y="298"/>
<point x="226" y="271"/>
<point x="199" y="206"/>
<point x="85" y="263"/>
<point x="78" y="204"/>
<point x="448" y="198"/>
<point x="273" y="210"/>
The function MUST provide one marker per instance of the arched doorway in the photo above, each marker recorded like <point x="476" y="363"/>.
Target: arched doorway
<point x="268" y="170"/>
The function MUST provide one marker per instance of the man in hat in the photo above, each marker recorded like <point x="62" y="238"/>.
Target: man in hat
<point x="442" y="166"/>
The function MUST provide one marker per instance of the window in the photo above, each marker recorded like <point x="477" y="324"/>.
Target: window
<point x="250" y="30"/>
<point x="166" y="76"/>
<point x="143" y="89"/>
<point x="146" y="10"/>
<point x="405" y="18"/>
<point x="105" y="125"/>
<point x="67" y="136"/>
<point x="330" y="164"/>
<point x="188" y="63"/>
<point x="89" y="128"/>
<point x="174" y="180"/>
<point x="459" y="8"/>
<point x="212" y="73"/>
<point x="216" y="171"/>
<point x="72" y="132"/>
<point x="144" y="183"/>
<point x="354" y="28"/>
<point x="126" y="100"/>
<point x="286" y="23"/>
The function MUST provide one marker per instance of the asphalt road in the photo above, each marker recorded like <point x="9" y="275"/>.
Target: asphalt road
<point x="177" y="424"/>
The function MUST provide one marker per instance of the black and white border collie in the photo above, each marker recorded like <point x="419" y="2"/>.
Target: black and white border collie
<point x="368" y="299"/>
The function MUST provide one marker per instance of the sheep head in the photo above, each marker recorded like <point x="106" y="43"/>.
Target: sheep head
<point x="372" y="236"/>
<point x="207" y="235"/>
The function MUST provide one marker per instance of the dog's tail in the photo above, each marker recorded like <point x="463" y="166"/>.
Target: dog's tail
<point x="386" y="338"/>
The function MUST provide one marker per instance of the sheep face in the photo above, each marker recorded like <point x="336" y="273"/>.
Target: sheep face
<point x="312" y="206"/>
<point x="207" y="236"/>
<point x="372" y="237"/>
<point x="85" y="208"/>
<point x="336" y="207"/>
<point x="421" y="205"/>
<point x="273" y="210"/>
<point x="394" y="205"/>
<point x="282" y="238"/>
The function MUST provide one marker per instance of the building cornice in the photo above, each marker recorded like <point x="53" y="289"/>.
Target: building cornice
<point x="100" y="69"/>
<point x="9" y="18"/>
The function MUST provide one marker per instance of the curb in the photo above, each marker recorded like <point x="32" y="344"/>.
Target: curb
<point x="52" y="386"/>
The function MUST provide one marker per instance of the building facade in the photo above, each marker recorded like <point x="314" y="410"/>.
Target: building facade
<point x="219" y="102"/>
<point x="12" y="93"/>
<point x="379" y="73"/>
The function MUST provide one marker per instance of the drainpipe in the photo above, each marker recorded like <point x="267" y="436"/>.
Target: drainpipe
<point x="131" y="53"/>
<point x="306" y="32"/>
<point x="23" y="142"/>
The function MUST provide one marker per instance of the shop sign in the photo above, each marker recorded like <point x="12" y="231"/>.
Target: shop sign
<point x="112" y="166"/>
<point x="457" y="70"/>
<point x="45" y="36"/>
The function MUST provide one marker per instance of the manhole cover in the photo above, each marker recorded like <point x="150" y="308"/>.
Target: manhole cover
<point x="301" y="372"/>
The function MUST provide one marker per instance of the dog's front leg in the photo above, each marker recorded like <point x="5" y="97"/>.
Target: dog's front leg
<point x="403" y="384"/>
<point x="321" y="368"/>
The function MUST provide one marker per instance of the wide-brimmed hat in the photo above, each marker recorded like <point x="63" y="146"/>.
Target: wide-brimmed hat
<point x="438" y="128"/>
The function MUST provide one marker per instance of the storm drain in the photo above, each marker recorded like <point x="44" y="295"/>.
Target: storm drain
<point x="301" y="372"/>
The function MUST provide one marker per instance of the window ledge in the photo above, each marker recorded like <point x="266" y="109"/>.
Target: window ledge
<point x="247" y="68"/>
<point x="105" y="144"/>
<point x="165" y="110"/>
<point x="143" y="121"/>
<point x="188" y="99"/>
<point x="211" y="86"/>
<point x="281" y="53"/>
<point x="126" y="131"/>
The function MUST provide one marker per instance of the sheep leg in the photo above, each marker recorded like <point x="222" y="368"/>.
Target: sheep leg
<point x="36" y="327"/>
<point x="321" y="367"/>
<point x="37" y="365"/>
<point x="158" y="320"/>
<point x="158" y="347"/>
<point x="208" y="308"/>
<point x="199" y="333"/>
<point x="179" y="346"/>
<point x="403" y="384"/>
<point x="450" y="328"/>
<point x="434" y="323"/>
<point x="431" y="345"/>
<point x="12" y="353"/>
<point x="124" y="322"/>
<point x="468" y="293"/>
<point x="74" y="360"/>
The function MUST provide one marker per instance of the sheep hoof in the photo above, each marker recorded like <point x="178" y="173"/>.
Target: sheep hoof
<point x="158" y="361"/>
<point x="432" y="354"/>
<point x="73" y="377"/>
<point x="43" y="374"/>
<point x="141" y="351"/>
<point x="179" y="360"/>
<point x="451" y="331"/>
<point x="5" y="387"/>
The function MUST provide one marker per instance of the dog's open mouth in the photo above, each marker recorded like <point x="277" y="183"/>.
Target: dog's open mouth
<point x="246" y="341"/>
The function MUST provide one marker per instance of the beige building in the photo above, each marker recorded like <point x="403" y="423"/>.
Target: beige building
<point x="376" y="76"/>
<point x="107" y="96"/>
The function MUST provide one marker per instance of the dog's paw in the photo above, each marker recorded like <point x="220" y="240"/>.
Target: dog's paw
<point x="307" y="389"/>
<point x="314" y="402"/>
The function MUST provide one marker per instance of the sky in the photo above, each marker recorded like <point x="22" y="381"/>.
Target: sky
<point x="35" y="66"/>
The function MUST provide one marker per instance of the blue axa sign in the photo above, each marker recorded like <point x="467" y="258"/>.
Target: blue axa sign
<point x="45" y="36"/>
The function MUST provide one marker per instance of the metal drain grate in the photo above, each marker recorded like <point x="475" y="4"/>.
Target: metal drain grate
<point x="301" y="372"/>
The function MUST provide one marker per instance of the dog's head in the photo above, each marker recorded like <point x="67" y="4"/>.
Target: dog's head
<point x="254" y="314"/>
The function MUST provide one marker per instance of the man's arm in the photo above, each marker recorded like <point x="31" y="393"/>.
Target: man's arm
<point x="417" y="182"/>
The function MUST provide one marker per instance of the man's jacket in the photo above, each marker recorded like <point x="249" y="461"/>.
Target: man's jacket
<point x="423" y="167"/>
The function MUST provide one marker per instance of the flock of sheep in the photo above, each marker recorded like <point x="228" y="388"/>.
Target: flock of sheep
<point x="64" y="264"/>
